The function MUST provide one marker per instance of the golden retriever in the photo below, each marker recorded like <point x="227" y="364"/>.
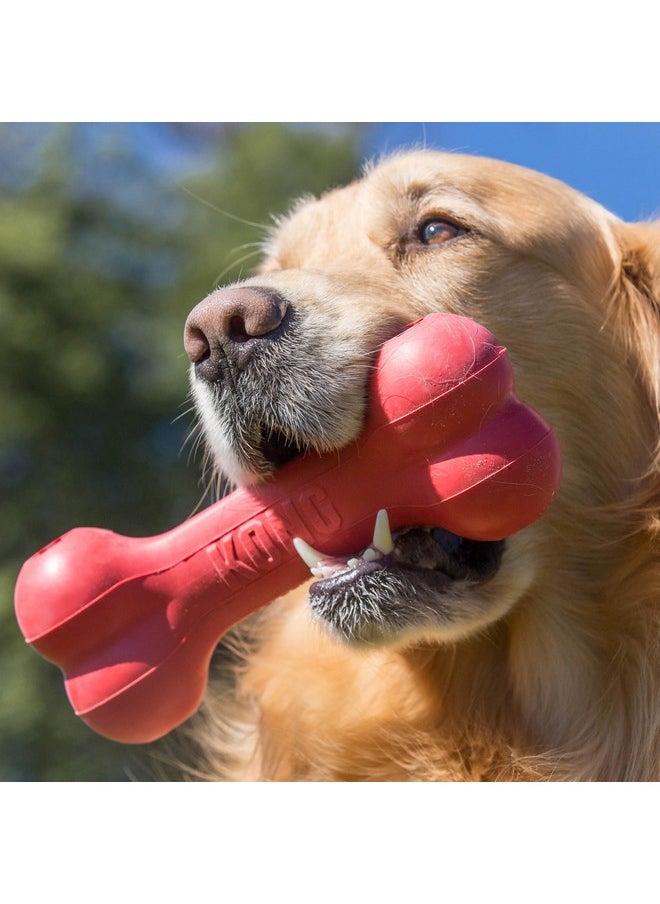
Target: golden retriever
<point x="532" y="659"/>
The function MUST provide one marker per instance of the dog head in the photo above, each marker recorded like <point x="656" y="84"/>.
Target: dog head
<point x="280" y="364"/>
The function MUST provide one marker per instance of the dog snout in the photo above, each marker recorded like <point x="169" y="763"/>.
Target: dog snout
<point x="226" y="328"/>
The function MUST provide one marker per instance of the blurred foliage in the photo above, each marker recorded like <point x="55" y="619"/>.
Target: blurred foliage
<point x="105" y="244"/>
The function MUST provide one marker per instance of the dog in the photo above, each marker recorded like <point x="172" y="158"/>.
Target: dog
<point x="532" y="659"/>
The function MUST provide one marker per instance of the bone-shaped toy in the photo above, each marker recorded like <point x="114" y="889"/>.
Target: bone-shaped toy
<point x="132" y="622"/>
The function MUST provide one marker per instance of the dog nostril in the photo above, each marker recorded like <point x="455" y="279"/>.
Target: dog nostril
<point x="228" y="327"/>
<point x="196" y="344"/>
<point x="236" y="329"/>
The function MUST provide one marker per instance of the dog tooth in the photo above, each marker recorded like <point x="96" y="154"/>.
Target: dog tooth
<point x="310" y="556"/>
<point x="370" y="554"/>
<point x="382" y="534"/>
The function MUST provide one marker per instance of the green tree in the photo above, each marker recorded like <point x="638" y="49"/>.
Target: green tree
<point x="102" y="254"/>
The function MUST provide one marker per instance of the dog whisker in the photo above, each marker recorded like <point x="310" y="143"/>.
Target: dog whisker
<point x="234" y="264"/>
<point x="264" y="227"/>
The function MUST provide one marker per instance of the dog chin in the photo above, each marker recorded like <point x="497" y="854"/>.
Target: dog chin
<point x="368" y="620"/>
<point x="433" y="586"/>
<point x="450" y="593"/>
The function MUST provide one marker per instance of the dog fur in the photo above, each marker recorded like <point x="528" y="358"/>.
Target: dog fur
<point x="549" y="669"/>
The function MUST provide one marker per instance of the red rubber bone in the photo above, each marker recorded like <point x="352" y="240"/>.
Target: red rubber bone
<point x="132" y="622"/>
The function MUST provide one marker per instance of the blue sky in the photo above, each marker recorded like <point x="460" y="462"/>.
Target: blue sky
<point x="617" y="164"/>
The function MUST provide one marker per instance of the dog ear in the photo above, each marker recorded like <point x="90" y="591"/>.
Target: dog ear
<point x="640" y="262"/>
<point x="634" y="310"/>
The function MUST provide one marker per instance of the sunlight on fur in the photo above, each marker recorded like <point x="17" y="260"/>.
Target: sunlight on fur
<point x="548" y="670"/>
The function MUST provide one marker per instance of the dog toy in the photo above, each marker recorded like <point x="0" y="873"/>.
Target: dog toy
<point x="132" y="622"/>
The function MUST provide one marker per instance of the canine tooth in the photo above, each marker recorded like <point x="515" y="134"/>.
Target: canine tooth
<point x="310" y="556"/>
<point x="382" y="534"/>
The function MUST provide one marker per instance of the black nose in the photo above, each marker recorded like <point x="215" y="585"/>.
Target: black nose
<point x="225" y="329"/>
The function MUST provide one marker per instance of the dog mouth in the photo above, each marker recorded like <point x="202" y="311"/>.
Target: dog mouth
<point x="278" y="447"/>
<point x="415" y="578"/>
<point x="412" y="579"/>
<point x="400" y="581"/>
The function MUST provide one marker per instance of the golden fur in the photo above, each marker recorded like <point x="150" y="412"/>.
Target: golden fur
<point x="554" y="673"/>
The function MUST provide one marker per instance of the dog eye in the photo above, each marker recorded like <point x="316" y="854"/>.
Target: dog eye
<point x="437" y="231"/>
